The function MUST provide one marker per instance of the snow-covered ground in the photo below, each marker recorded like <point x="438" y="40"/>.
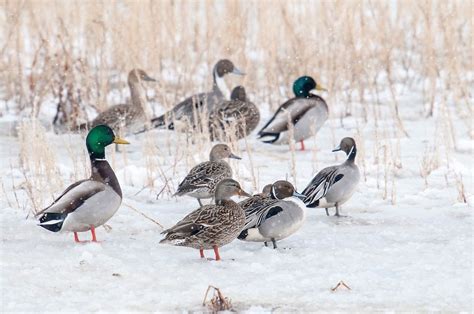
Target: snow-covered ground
<point x="409" y="251"/>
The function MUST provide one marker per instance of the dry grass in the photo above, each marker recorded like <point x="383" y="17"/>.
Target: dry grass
<point x="218" y="301"/>
<point x="71" y="51"/>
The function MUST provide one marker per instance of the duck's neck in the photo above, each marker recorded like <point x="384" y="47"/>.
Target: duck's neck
<point x="138" y="99"/>
<point x="352" y="154"/>
<point x="222" y="201"/>
<point x="219" y="86"/>
<point x="102" y="172"/>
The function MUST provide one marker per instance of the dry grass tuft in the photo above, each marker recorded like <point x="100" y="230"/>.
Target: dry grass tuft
<point x="217" y="302"/>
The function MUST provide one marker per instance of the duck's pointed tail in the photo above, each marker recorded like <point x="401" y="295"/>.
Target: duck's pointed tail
<point x="52" y="221"/>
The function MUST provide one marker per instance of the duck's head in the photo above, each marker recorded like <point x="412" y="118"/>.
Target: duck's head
<point x="347" y="145"/>
<point x="267" y="189"/>
<point x="303" y="85"/>
<point x="227" y="188"/>
<point x="238" y="93"/>
<point x="221" y="151"/>
<point x="224" y="67"/>
<point x="98" y="138"/>
<point x="137" y="75"/>
<point x="282" y="189"/>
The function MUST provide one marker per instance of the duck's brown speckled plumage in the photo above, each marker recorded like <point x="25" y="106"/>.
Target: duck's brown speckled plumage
<point x="201" y="181"/>
<point x="237" y="114"/>
<point x="208" y="226"/>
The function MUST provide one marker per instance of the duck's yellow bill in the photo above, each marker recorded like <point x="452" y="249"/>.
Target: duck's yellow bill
<point x="321" y="88"/>
<point x="118" y="140"/>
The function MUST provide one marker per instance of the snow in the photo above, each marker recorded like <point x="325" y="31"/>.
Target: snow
<point x="410" y="251"/>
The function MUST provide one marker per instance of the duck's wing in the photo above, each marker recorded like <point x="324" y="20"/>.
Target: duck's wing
<point x="290" y="111"/>
<point x="202" y="175"/>
<point x="255" y="208"/>
<point x="73" y="197"/>
<point x="321" y="183"/>
<point x="194" y="223"/>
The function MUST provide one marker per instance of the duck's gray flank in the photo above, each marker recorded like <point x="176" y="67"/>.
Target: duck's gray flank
<point x="274" y="216"/>
<point x="334" y="185"/>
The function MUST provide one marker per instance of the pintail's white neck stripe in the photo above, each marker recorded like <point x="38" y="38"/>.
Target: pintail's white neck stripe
<point x="222" y="85"/>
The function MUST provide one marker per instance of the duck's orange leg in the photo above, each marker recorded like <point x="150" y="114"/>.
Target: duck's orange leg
<point x="216" y="252"/>
<point x="302" y="144"/>
<point x="76" y="238"/>
<point x="94" y="239"/>
<point x="201" y="252"/>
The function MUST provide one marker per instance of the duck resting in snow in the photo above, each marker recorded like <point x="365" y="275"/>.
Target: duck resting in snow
<point x="305" y="113"/>
<point x="186" y="112"/>
<point x="87" y="204"/>
<point x="130" y="117"/>
<point x="273" y="215"/>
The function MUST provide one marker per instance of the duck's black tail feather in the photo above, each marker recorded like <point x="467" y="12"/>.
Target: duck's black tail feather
<point x="160" y="122"/>
<point x="52" y="221"/>
<point x="268" y="137"/>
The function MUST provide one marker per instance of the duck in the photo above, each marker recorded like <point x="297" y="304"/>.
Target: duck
<point x="306" y="111"/>
<point x="185" y="112"/>
<point x="274" y="215"/>
<point x="129" y="117"/>
<point x="237" y="114"/>
<point x="211" y="226"/>
<point x="201" y="181"/>
<point x="87" y="204"/>
<point x="334" y="185"/>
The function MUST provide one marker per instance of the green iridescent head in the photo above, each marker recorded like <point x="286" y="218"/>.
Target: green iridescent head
<point x="100" y="137"/>
<point x="303" y="85"/>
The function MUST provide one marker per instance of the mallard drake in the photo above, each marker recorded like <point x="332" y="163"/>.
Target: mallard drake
<point x="127" y="117"/>
<point x="237" y="114"/>
<point x="190" y="108"/>
<point x="201" y="181"/>
<point x="87" y="204"/>
<point x="211" y="226"/>
<point x="307" y="112"/>
<point x="273" y="216"/>
<point x="334" y="185"/>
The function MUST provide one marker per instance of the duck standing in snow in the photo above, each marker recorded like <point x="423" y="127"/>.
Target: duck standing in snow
<point x="274" y="216"/>
<point x="202" y="180"/>
<point x="211" y="226"/>
<point x="192" y="107"/>
<point x="237" y="114"/>
<point x="334" y="185"/>
<point x="306" y="112"/>
<point x="127" y="117"/>
<point x="87" y="204"/>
